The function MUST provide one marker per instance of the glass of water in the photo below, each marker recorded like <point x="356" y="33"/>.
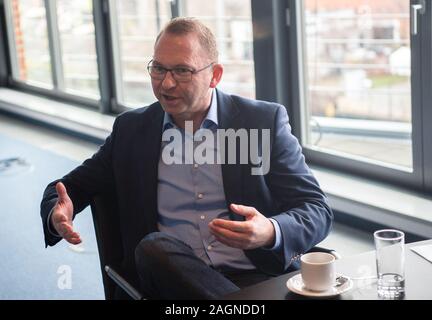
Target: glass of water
<point x="390" y="262"/>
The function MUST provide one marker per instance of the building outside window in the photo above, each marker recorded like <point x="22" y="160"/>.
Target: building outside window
<point x="78" y="47"/>
<point x="357" y="79"/>
<point x="231" y="22"/>
<point x="53" y="45"/>
<point x="136" y="23"/>
<point x="30" y="55"/>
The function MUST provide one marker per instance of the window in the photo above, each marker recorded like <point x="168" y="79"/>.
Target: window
<point x="361" y="87"/>
<point x="231" y="22"/>
<point x="135" y="25"/>
<point x="357" y="79"/>
<point x="78" y="49"/>
<point x="52" y="45"/>
<point x="28" y="42"/>
<point x="97" y="56"/>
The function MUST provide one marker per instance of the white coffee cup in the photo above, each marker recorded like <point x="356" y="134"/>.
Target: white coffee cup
<point x="318" y="271"/>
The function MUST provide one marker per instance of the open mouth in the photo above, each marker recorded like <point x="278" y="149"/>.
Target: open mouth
<point x="169" y="98"/>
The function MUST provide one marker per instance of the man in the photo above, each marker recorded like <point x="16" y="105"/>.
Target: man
<point x="196" y="230"/>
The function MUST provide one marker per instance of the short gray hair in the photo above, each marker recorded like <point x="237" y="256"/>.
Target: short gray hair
<point x="187" y="25"/>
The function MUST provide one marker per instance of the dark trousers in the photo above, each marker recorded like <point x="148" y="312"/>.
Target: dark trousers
<point x="169" y="269"/>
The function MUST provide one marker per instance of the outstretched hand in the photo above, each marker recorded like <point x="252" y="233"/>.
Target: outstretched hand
<point x="61" y="217"/>
<point x="256" y="231"/>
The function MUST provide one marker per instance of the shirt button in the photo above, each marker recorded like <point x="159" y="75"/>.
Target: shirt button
<point x="209" y="247"/>
<point x="200" y="196"/>
<point x="202" y="217"/>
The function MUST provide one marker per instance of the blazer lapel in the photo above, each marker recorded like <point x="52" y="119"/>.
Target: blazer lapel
<point x="229" y="118"/>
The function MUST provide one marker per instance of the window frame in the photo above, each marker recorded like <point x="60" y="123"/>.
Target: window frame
<point x="57" y="92"/>
<point x="107" y="54"/>
<point x="111" y="27"/>
<point x="264" y="44"/>
<point x="57" y="72"/>
<point x="426" y="85"/>
<point x="105" y="58"/>
<point x="275" y="26"/>
<point x="420" y="177"/>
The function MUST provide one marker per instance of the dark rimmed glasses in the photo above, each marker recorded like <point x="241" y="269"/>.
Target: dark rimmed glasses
<point x="180" y="74"/>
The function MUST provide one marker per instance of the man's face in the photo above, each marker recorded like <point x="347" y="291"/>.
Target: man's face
<point x="184" y="100"/>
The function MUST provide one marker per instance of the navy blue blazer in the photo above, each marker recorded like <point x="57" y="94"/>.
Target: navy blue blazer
<point x="127" y="163"/>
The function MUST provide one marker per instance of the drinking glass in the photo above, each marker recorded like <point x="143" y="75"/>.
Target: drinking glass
<point x="390" y="262"/>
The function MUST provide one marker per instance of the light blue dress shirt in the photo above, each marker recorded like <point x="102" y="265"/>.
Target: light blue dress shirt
<point x="192" y="195"/>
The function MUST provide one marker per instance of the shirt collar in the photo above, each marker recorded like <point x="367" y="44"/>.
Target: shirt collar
<point x="211" y="119"/>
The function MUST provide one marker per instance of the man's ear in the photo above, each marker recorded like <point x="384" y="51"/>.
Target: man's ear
<point x="217" y="75"/>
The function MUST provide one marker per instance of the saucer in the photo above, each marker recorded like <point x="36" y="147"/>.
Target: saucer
<point x="295" y="284"/>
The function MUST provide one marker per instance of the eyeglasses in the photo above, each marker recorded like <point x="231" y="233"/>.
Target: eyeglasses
<point x="180" y="74"/>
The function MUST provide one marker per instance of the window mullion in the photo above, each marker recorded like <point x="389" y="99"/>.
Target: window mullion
<point x="54" y="45"/>
<point x="158" y="13"/>
<point x="104" y="48"/>
<point x="116" y="49"/>
<point x="3" y="47"/>
<point x="263" y="48"/>
<point x="297" y="70"/>
<point x="417" y="93"/>
<point x="176" y="8"/>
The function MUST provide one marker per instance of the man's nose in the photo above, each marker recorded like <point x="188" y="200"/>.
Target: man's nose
<point x="169" y="81"/>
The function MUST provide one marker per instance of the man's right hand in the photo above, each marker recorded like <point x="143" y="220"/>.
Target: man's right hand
<point x="61" y="217"/>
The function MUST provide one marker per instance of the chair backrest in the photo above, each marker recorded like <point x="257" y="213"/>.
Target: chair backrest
<point x="106" y="222"/>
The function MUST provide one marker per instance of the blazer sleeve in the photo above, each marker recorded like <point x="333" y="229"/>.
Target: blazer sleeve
<point x="93" y="176"/>
<point x="305" y="217"/>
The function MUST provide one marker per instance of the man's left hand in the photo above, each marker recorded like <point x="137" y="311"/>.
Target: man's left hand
<point x="256" y="231"/>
